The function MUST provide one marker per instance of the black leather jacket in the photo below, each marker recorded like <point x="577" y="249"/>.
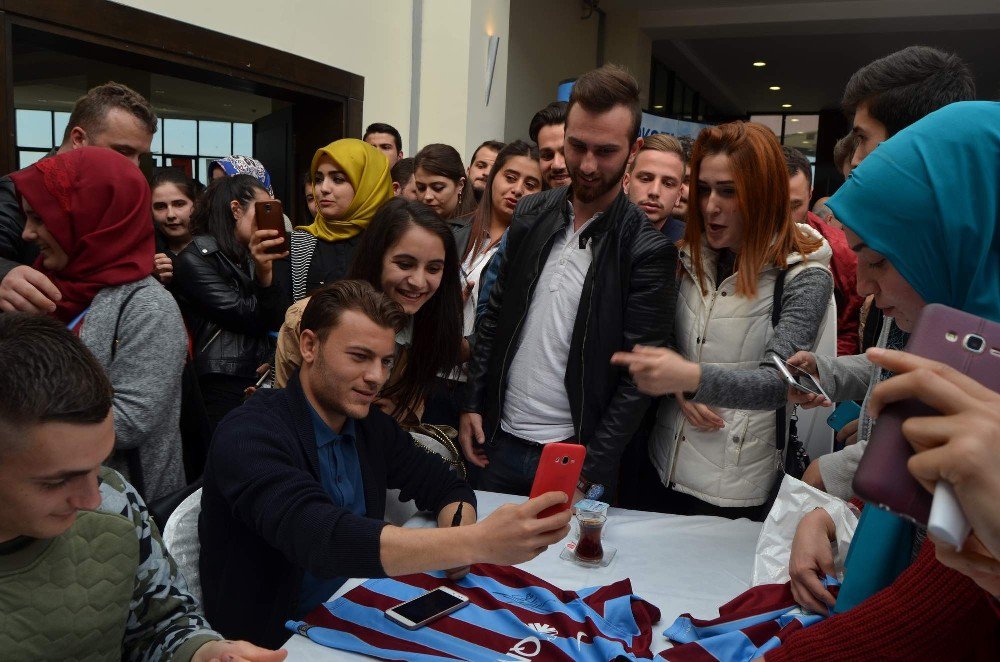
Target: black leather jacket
<point x="228" y="315"/>
<point x="628" y="298"/>
<point x="14" y="250"/>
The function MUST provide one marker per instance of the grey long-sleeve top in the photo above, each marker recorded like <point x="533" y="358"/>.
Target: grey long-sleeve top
<point x="803" y="305"/>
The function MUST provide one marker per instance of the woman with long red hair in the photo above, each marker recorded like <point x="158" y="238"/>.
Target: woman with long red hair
<point x="714" y="448"/>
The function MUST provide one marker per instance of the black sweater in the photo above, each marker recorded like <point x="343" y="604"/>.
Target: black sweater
<point x="265" y="517"/>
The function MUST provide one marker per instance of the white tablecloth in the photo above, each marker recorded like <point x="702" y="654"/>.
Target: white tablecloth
<point x="680" y="564"/>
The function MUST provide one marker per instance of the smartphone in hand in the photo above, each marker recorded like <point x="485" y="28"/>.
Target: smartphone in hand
<point x="963" y="341"/>
<point x="558" y="471"/>
<point x="270" y="216"/>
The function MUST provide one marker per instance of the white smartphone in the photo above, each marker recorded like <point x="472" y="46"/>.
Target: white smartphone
<point x="798" y="378"/>
<point x="426" y="608"/>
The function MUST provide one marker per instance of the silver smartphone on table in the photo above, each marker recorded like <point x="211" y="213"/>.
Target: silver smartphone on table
<point x="426" y="608"/>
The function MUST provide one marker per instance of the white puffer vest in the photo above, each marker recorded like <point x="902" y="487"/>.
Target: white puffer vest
<point x="735" y="466"/>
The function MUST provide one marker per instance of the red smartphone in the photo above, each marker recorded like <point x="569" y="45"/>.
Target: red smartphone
<point x="965" y="342"/>
<point x="270" y="216"/>
<point x="558" y="471"/>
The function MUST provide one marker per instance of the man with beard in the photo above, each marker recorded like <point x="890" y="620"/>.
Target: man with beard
<point x="481" y="164"/>
<point x="585" y="275"/>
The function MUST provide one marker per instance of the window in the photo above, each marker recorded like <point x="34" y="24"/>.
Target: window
<point x="798" y="131"/>
<point x="187" y="144"/>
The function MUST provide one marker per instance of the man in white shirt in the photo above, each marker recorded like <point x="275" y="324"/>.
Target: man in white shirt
<point x="584" y="273"/>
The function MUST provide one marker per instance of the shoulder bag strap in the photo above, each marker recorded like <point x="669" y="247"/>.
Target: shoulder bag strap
<point x="779" y="415"/>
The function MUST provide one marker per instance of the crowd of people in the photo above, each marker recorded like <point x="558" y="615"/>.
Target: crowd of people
<point x="583" y="285"/>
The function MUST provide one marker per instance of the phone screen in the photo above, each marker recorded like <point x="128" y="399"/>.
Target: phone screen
<point x="427" y="605"/>
<point x="799" y="378"/>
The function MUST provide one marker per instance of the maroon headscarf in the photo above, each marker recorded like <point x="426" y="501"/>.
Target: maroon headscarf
<point x="96" y="204"/>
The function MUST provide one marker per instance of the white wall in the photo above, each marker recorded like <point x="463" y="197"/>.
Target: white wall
<point x="370" y="38"/>
<point x="486" y="122"/>
<point x="548" y="43"/>
<point x="626" y="44"/>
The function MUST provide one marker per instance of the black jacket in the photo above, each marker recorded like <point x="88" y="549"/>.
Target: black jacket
<point x="628" y="298"/>
<point x="265" y="517"/>
<point x="14" y="251"/>
<point x="227" y="314"/>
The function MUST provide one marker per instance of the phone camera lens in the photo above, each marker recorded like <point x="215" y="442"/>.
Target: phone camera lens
<point x="267" y="208"/>
<point x="565" y="460"/>
<point x="974" y="343"/>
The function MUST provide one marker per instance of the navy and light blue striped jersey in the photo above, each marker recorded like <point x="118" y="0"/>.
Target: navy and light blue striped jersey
<point x="513" y="616"/>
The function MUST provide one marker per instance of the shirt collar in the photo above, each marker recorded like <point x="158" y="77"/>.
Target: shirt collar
<point x="325" y="434"/>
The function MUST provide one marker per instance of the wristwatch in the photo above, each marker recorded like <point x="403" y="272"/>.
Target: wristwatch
<point x="590" y="490"/>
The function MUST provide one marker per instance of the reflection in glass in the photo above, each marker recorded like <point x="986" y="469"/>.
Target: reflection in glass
<point x="773" y="122"/>
<point x="800" y="133"/>
<point x="34" y="128"/>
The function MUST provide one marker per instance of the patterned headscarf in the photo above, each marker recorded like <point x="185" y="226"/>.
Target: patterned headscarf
<point x="245" y="165"/>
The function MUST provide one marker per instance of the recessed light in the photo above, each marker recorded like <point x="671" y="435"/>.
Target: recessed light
<point x="774" y="88"/>
<point x="786" y="105"/>
<point x="794" y="119"/>
<point x="760" y="64"/>
<point x="660" y="107"/>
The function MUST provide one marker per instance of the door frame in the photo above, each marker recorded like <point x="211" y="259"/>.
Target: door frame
<point x="168" y="46"/>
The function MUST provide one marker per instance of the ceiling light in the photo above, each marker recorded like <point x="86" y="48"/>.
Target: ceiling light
<point x="774" y="88"/>
<point x="786" y="105"/>
<point x="659" y="107"/>
<point x="760" y="64"/>
<point x="794" y="119"/>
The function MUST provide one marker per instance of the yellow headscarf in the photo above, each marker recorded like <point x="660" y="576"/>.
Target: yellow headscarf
<point x="368" y="171"/>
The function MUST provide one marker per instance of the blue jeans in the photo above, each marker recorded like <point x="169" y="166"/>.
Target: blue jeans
<point x="512" y="466"/>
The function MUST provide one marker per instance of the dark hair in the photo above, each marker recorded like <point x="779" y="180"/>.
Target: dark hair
<point x="904" y="86"/>
<point x="687" y="146"/>
<point x="213" y="214"/>
<point x="444" y="161"/>
<point x="379" y="127"/>
<point x="402" y="171"/>
<point x="600" y="90"/>
<point x="437" y="326"/>
<point x="48" y="376"/>
<point x="554" y="113"/>
<point x="90" y="111"/>
<point x="797" y="162"/>
<point x="327" y="303"/>
<point x="481" y="217"/>
<point x="843" y="150"/>
<point x="189" y="188"/>
<point x="495" y="145"/>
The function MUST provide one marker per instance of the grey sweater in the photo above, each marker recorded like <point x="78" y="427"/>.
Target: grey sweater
<point x="803" y="305"/>
<point x="146" y="376"/>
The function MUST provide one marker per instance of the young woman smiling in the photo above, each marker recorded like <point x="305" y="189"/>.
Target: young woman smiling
<point x="442" y="183"/>
<point x="174" y="194"/>
<point x="350" y="182"/>
<point x="515" y="174"/>
<point x="714" y="443"/>
<point x="408" y="253"/>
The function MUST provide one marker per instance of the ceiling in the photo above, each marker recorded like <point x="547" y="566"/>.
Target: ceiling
<point x="811" y="47"/>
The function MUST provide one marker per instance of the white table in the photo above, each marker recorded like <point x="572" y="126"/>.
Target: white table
<point x="680" y="564"/>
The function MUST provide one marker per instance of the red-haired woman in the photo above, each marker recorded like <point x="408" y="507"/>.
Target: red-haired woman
<point x="714" y="449"/>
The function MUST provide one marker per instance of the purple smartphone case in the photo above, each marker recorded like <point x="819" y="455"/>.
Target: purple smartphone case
<point x="940" y="334"/>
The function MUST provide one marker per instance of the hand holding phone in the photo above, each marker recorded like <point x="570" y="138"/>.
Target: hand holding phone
<point x="800" y="380"/>
<point x="971" y="346"/>
<point x="558" y="471"/>
<point x="845" y="412"/>
<point x="270" y="216"/>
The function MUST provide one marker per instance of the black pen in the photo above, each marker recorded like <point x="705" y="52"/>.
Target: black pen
<point x="457" y="519"/>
